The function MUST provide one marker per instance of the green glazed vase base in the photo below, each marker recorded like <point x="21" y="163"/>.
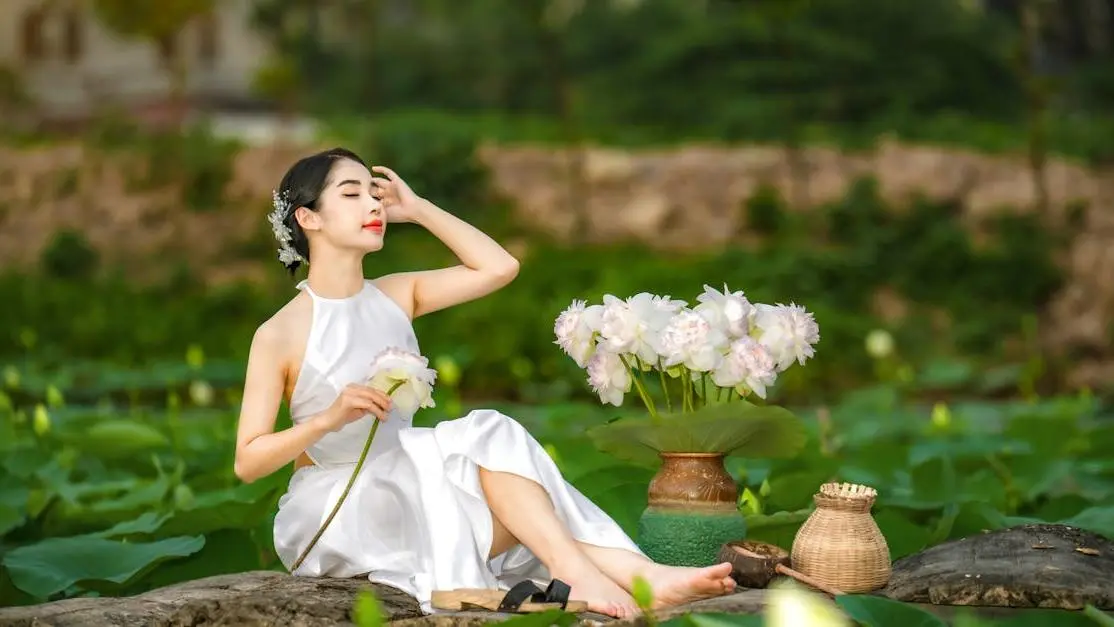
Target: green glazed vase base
<point x="687" y="539"/>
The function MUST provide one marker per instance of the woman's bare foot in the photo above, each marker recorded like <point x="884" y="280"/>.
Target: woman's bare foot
<point x="675" y="585"/>
<point x="590" y="585"/>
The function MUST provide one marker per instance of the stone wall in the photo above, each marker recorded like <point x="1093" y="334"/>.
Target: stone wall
<point x="683" y="197"/>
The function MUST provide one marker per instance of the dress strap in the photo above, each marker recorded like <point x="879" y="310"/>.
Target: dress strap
<point x="303" y="285"/>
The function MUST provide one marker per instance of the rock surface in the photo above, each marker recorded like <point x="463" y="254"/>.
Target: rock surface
<point x="995" y="574"/>
<point x="1039" y="565"/>
<point x="274" y="598"/>
<point x="253" y="598"/>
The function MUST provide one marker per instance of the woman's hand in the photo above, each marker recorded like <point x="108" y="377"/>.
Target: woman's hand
<point x="354" y="402"/>
<point x="399" y="201"/>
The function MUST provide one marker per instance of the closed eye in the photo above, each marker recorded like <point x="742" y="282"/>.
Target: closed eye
<point x="351" y="195"/>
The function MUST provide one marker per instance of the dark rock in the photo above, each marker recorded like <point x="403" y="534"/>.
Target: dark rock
<point x="1028" y="566"/>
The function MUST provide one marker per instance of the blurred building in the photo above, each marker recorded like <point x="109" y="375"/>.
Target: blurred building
<point x="69" y="63"/>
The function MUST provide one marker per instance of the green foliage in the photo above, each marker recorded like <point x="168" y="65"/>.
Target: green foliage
<point x="69" y="256"/>
<point x="665" y="70"/>
<point x="368" y="611"/>
<point x="141" y="19"/>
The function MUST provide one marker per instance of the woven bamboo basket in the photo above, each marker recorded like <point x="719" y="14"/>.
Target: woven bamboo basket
<point x="840" y="544"/>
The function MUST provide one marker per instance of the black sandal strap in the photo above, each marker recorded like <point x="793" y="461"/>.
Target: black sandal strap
<point x="522" y="592"/>
<point x="558" y="592"/>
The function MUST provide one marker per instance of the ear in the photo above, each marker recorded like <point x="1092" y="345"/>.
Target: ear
<point x="307" y="219"/>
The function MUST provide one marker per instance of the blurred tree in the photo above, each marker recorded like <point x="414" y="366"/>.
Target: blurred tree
<point x="764" y="70"/>
<point x="278" y="80"/>
<point x="158" y="23"/>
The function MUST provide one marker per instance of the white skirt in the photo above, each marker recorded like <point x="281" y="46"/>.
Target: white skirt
<point x="416" y="517"/>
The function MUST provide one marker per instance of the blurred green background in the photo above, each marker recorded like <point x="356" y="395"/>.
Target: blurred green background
<point x="932" y="179"/>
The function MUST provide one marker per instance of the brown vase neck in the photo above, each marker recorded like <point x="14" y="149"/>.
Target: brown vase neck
<point x="693" y="481"/>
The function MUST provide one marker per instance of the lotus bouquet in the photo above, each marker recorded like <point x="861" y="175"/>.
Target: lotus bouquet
<point x="710" y="362"/>
<point x="407" y="379"/>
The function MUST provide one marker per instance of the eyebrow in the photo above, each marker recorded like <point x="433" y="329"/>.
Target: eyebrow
<point x="348" y="182"/>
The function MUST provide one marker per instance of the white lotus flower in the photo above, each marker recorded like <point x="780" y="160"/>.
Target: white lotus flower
<point x="788" y="605"/>
<point x="608" y="377"/>
<point x="690" y="340"/>
<point x="667" y="307"/>
<point x="634" y="325"/>
<point x="576" y="330"/>
<point x="730" y="311"/>
<point x="788" y="331"/>
<point x="408" y="374"/>
<point x="747" y="366"/>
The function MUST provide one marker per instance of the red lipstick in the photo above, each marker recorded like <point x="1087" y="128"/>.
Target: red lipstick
<point x="375" y="225"/>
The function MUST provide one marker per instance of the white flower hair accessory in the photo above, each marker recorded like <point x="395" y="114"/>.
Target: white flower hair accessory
<point x="286" y="253"/>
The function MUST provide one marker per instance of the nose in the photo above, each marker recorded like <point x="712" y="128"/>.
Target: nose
<point x="376" y="206"/>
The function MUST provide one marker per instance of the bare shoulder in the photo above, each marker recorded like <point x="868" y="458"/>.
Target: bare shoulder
<point x="276" y="331"/>
<point x="399" y="287"/>
<point x="280" y="340"/>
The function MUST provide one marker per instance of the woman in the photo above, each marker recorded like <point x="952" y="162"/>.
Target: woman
<point x="471" y="503"/>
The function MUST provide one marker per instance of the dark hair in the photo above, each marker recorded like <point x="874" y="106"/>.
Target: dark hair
<point x="302" y="185"/>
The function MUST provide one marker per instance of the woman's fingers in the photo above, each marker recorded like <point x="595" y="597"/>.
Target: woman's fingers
<point x="370" y="400"/>
<point x="382" y="399"/>
<point x="387" y="171"/>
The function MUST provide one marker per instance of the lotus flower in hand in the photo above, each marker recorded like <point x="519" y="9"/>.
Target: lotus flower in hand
<point x="406" y="377"/>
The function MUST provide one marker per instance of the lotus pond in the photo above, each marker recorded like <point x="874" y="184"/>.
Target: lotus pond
<point x="113" y="482"/>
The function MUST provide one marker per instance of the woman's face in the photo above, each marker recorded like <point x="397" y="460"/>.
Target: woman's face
<point x="348" y="216"/>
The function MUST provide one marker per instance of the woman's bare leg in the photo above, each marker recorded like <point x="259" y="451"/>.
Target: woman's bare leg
<point x="502" y="540"/>
<point x="672" y="585"/>
<point x="524" y="510"/>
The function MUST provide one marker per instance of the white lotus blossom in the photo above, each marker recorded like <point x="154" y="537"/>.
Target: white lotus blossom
<point x="412" y="375"/>
<point x="690" y="340"/>
<point x="634" y="325"/>
<point x="608" y="377"/>
<point x="747" y="366"/>
<point x="788" y="331"/>
<point x="576" y="330"/>
<point x="730" y="311"/>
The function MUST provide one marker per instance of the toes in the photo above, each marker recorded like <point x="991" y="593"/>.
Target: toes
<point x="721" y="570"/>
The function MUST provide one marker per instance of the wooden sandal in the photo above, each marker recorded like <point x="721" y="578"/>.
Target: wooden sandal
<point x="524" y="598"/>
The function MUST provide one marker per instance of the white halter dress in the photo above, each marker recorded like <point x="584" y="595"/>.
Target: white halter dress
<point x="416" y="517"/>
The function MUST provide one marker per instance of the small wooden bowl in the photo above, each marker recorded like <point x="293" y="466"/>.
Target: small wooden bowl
<point x="749" y="572"/>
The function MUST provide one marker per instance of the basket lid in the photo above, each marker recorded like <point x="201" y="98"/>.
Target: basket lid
<point x="846" y="496"/>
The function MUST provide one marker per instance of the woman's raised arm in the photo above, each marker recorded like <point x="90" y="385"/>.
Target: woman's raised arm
<point x="485" y="266"/>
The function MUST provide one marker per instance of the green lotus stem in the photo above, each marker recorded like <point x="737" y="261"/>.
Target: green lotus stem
<point x="347" y="488"/>
<point x="704" y="387"/>
<point x="636" y="380"/>
<point x="664" y="387"/>
<point x="686" y="389"/>
<point x="645" y="388"/>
